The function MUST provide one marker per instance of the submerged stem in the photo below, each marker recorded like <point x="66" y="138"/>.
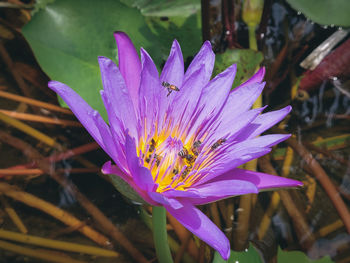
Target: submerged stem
<point x="160" y="235"/>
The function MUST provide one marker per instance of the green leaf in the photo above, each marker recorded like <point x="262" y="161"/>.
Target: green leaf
<point x="299" y="257"/>
<point x="247" y="61"/>
<point x="249" y="256"/>
<point x="68" y="36"/>
<point x="165" y="8"/>
<point x="125" y="189"/>
<point x="324" y="12"/>
<point x="252" y="256"/>
<point x="186" y="30"/>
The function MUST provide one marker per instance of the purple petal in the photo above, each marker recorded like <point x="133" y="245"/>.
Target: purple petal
<point x="205" y="57"/>
<point x="106" y="135"/>
<point x="163" y="200"/>
<point x="240" y="100"/>
<point x="262" y="123"/>
<point x="149" y="91"/>
<point x="230" y="160"/>
<point x="81" y="110"/>
<point x="214" y="96"/>
<point x="261" y="180"/>
<point x="141" y="175"/>
<point x="229" y="128"/>
<point x="129" y="64"/>
<point x="200" y="225"/>
<point x="108" y="168"/>
<point x="239" y="153"/>
<point x="188" y="98"/>
<point x="173" y="71"/>
<point x="257" y="78"/>
<point x="118" y="94"/>
<point x="217" y="190"/>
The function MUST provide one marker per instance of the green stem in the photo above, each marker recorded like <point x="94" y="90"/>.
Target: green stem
<point x="160" y="235"/>
<point x="252" y="37"/>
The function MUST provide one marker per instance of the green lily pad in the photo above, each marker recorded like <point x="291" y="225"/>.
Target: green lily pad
<point x="324" y="12"/>
<point x="252" y="256"/>
<point x="247" y="61"/>
<point x="187" y="30"/>
<point x="248" y="256"/>
<point x="165" y="8"/>
<point x="300" y="257"/>
<point x="68" y="36"/>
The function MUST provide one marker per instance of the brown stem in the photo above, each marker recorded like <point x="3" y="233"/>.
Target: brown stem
<point x="105" y="224"/>
<point x="301" y="226"/>
<point x="324" y="180"/>
<point x="52" y="210"/>
<point x="183" y="234"/>
<point x="62" y="156"/>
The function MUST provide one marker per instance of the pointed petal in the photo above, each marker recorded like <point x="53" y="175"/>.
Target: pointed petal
<point x="129" y="64"/>
<point x="263" y="122"/>
<point x="229" y="161"/>
<point x="114" y="86"/>
<point x="261" y="180"/>
<point x="229" y="128"/>
<point x="80" y="108"/>
<point x="256" y="78"/>
<point x="205" y="57"/>
<point x="240" y="100"/>
<point x="107" y="138"/>
<point x="173" y="71"/>
<point x="149" y="91"/>
<point x="213" y="97"/>
<point x="141" y="175"/>
<point x="200" y="225"/>
<point x="217" y="190"/>
<point x="188" y="97"/>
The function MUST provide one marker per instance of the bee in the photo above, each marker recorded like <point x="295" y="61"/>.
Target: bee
<point x="158" y="158"/>
<point x="217" y="144"/>
<point x="190" y="158"/>
<point x="170" y="87"/>
<point x="175" y="171"/>
<point x="152" y="147"/>
<point x="185" y="172"/>
<point x="195" y="147"/>
<point x="183" y="153"/>
<point x="148" y="159"/>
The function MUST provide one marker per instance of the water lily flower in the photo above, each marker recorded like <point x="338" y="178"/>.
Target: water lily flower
<point x="177" y="139"/>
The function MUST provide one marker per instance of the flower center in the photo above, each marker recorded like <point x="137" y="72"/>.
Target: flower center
<point x="170" y="161"/>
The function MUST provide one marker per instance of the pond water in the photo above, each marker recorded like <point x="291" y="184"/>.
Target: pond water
<point x="311" y="219"/>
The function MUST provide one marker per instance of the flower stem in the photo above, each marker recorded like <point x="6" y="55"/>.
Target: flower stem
<point x="252" y="37"/>
<point x="160" y="235"/>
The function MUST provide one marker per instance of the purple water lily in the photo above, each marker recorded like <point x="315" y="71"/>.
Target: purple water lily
<point x="178" y="138"/>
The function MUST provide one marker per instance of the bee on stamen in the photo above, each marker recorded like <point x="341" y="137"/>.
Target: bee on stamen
<point x="148" y="159"/>
<point x="152" y="146"/>
<point x="195" y="147"/>
<point x="185" y="172"/>
<point x="190" y="158"/>
<point x="158" y="158"/>
<point x="170" y="87"/>
<point x="183" y="153"/>
<point x="217" y="144"/>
